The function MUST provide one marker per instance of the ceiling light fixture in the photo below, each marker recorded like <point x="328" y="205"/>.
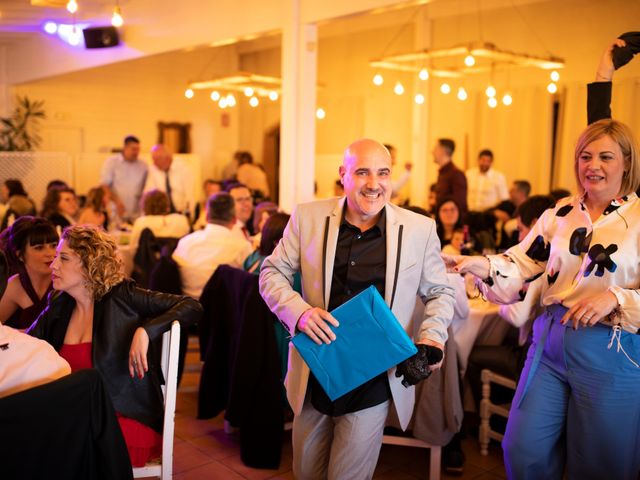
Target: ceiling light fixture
<point x="116" y="18"/>
<point x="72" y="6"/>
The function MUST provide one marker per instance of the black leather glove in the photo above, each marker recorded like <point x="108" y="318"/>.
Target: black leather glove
<point x="416" y="367"/>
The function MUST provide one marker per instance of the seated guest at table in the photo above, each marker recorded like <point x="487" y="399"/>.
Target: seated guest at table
<point x="156" y="217"/>
<point x="200" y="215"/>
<point x="97" y="319"/>
<point x="261" y="213"/>
<point x="578" y="398"/>
<point x="447" y="219"/>
<point x="95" y="209"/>
<point x="244" y="209"/>
<point x="456" y="244"/>
<point x="199" y="253"/>
<point x="271" y="233"/>
<point x="30" y="246"/>
<point x="27" y="362"/>
<point x="60" y="206"/>
<point x="16" y="200"/>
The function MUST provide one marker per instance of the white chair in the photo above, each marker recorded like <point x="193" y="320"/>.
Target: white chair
<point x="169" y="365"/>
<point x="487" y="408"/>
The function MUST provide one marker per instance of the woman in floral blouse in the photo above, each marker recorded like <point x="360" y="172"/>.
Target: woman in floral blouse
<point x="578" y="399"/>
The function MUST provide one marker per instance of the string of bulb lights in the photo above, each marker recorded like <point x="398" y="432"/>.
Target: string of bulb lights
<point x="470" y="66"/>
<point x="252" y="87"/>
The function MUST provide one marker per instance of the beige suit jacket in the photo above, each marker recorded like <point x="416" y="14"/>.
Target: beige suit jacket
<point x="414" y="268"/>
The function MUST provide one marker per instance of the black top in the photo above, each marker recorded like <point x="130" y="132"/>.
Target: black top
<point x="598" y="101"/>
<point x="116" y="316"/>
<point x="360" y="262"/>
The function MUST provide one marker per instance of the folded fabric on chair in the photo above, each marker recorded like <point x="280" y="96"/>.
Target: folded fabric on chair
<point x="368" y="342"/>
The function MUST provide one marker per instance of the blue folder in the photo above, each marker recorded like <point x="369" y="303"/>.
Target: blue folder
<point x="369" y="341"/>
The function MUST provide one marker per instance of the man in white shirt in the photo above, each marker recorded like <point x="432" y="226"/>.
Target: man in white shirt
<point x="124" y="175"/>
<point x="173" y="177"/>
<point x="199" y="253"/>
<point x="487" y="187"/>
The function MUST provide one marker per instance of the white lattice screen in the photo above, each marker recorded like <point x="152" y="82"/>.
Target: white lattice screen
<point x="81" y="171"/>
<point x="36" y="169"/>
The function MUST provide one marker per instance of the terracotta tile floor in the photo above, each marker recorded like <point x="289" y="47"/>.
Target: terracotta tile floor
<point x="203" y="451"/>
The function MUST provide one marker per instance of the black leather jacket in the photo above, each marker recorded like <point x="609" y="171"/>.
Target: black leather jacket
<point x="116" y="316"/>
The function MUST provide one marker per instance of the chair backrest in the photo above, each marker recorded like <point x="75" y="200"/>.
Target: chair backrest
<point x="169" y="365"/>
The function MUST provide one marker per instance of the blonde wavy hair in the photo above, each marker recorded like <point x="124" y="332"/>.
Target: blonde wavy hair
<point x="623" y="136"/>
<point x="98" y="252"/>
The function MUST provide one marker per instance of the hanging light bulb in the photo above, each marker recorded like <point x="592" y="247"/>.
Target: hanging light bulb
<point x="231" y="100"/>
<point x="419" y="98"/>
<point x="254" y="102"/>
<point x="116" y="18"/>
<point x="215" y="96"/>
<point x="378" y="80"/>
<point x="424" y="74"/>
<point x="222" y="103"/>
<point x="320" y="113"/>
<point x="248" y="92"/>
<point x="492" y="102"/>
<point x="507" y="99"/>
<point x="188" y="93"/>
<point x="74" y="36"/>
<point x="490" y="91"/>
<point x="462" y="94"/>
<point x="555" y="76"/>
<point x="445" y="88"/>
<point x="469" y="60"/>
<point x="552" y="88"/>
<point x="273" y="96"/>
<point x="398" y="89"/>
<point x="72" y="6"/>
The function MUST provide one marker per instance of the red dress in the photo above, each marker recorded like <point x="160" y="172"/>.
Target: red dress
<point x="143" y="442"/>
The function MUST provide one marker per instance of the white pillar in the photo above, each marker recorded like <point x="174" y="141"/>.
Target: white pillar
<point x="297" y="126"/>
<point x="419" y="123"/>
<point x="4" y="86"/>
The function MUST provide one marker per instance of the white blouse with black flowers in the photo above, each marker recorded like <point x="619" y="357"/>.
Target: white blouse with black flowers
<point x="577" y="257"/>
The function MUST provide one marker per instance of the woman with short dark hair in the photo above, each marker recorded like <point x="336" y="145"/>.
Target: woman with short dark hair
<point x="29" y="245"/>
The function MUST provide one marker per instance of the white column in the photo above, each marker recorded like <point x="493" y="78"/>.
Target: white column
<point x="297" y="126"/>
<point x="4" y="86"/>
<point x="420" y="123"/>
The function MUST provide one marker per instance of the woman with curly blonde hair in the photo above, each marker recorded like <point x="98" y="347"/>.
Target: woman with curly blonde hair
<point x="98" y="319"/>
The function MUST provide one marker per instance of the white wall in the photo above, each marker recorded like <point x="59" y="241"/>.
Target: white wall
<point x="91" y="111"/>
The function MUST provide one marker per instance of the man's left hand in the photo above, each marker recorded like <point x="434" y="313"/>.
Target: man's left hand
<point x="419" y="366"/>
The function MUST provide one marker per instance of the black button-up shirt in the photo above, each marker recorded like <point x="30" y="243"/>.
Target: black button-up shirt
<point x="360" y="261"/>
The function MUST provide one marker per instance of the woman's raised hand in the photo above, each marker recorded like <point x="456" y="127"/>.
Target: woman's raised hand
<point x="604" y="73"/>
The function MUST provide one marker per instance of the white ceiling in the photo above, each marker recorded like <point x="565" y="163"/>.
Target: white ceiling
<point x="23" y="17"/>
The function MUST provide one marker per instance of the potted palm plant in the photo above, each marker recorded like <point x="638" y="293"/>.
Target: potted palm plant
<point x="20" y="131"/>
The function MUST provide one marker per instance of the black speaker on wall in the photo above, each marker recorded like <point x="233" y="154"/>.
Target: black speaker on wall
<point x="101" y="37"/>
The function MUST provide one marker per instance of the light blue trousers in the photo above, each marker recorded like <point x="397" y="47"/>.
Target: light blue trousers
<point x="577" y="405"/>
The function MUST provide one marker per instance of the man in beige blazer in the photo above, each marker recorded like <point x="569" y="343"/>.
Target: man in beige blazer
<point x="342" y="246"/>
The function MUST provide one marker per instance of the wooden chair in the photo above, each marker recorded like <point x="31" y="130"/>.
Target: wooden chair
<point x="169" y="365"/>
<point x="487" y="408"/>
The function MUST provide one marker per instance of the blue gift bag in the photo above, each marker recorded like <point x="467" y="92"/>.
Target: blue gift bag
<point x="369" y="341"/>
